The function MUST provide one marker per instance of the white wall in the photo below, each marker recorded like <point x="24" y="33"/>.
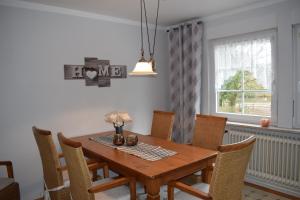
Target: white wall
<point x="281" y="16"/>
<point x="34" y="46"/>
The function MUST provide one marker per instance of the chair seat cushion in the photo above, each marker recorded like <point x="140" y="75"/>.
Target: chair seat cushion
<point x="183" y="195"/>
<point x="198" y="173"/>
<point x="163" y="192"/>
<point x="118" y="193"/>
<point x="65" y="175"/>
<point x="4" y="182"/>
<point x="9" y="189"/>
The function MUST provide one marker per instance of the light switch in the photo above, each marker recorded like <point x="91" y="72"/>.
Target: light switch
<point x="298" y="87"/>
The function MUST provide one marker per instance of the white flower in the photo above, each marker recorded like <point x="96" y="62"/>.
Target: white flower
<point x="118" y="118"/>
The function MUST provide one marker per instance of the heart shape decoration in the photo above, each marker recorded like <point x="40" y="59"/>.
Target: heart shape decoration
<point x="91" y="74"/>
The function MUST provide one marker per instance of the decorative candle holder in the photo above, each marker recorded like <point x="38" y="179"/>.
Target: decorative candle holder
<point x="118" y="119"/>
<point x="118" y="139"/>
<point x="131" y="140"/>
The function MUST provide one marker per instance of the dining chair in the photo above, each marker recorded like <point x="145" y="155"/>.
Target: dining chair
<point x="81" y="186"/>
<point x="227" y="179"/>
<point x="55" y="174"/>
<point x="162" y="124"/>
<point x="9" y="188"/>
<point x="208" y="133"/>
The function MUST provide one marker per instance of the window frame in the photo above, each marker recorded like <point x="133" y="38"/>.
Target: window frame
<point x="296" y="70"/>
<point x="235" y="117"/>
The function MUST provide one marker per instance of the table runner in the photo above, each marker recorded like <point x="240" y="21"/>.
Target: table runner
<point x="142" y="150"/>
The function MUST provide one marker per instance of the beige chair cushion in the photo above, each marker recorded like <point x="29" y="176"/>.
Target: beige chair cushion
<point x="163" y="192"/>
<point x="4" y="182"/>
<point x="118" y="193"/>
<point x="183" y="195"/>
<point x="65" y="175"/>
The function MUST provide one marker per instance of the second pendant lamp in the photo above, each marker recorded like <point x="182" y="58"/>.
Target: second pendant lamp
<point x="144" y="67"/>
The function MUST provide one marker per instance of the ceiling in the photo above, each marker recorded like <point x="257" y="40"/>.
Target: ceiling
<point x="171" y="11"/>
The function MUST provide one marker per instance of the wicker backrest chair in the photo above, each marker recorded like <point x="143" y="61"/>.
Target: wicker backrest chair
<point x="53" y="176"/>
<point x="209" y="131"/>
<point x="162" y="124"/>
<point x="228" y="175"/>
<point x="56" y="175"/>
<point x="81" y="185"/>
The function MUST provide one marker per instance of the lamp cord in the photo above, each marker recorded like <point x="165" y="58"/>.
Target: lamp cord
<point x="154" y="40"/>
<point x="142" y="39"/>
<point x="146" y="19"/>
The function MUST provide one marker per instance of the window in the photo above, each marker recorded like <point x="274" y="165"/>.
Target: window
<point x="244" y="71"/>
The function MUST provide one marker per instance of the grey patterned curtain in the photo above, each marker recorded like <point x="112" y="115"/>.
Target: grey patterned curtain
<point x="185" y="47"/>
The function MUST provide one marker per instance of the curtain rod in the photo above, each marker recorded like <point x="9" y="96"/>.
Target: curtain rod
<point x="174" y="27"/>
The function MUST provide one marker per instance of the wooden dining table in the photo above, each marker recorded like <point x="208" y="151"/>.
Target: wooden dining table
<point x="152" y="174"/>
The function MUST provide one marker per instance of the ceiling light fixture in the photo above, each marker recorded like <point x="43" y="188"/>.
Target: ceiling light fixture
<point x="144" y="67"/>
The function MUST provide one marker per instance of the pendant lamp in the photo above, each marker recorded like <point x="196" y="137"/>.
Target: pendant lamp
<point x="146" y="67"/>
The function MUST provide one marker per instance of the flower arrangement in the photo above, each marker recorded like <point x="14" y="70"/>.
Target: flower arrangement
<point x="118" y="119"/>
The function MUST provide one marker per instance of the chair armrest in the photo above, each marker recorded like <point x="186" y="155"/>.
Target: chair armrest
<point x="90" y="161"/>
<point x="190" y="190"/>
<point x="7" y="163"/>
<point x="96" y="165"/>
<point x="9" y="168"/>
<point x="109" y="185"/>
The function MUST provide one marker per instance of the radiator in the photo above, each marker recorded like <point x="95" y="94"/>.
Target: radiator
<point x="275" y="158"/>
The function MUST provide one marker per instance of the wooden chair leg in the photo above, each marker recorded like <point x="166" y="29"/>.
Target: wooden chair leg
<point x="105" y="171"/>
<point x="170" y="192"/>
<point x="95" y="175"/>
<point x="132" y="187"/>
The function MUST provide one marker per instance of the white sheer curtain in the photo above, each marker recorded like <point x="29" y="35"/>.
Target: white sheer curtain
<point x="254" y="54"/>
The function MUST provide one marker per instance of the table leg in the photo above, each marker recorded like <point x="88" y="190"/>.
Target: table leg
<point x="207" y="174"/>
<point x="153" y="188"/>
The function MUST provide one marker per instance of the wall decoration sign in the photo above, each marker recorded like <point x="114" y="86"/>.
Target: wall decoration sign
<point x="95" y="72"/>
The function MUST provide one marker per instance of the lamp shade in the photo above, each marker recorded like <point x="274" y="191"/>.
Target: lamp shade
<point x="142" y="68"/>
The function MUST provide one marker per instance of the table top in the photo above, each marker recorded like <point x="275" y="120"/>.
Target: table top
<point x="186" y="154"/>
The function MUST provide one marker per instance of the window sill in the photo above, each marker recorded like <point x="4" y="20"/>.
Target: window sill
<point x="258" y="127"/>
<point x="242" y="119"/>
